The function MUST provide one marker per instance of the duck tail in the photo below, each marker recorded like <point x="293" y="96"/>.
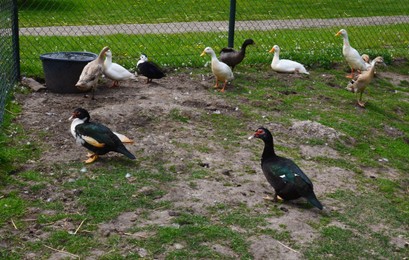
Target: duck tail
<point x="314" y="201"/>
<point x="125" y="152"/>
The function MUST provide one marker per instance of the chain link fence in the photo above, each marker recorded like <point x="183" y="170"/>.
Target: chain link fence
<point x="9" y="69"/>
<point x="174" y="32"/>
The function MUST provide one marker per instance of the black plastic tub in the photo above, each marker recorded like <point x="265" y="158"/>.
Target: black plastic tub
<point x="63" y="69"/>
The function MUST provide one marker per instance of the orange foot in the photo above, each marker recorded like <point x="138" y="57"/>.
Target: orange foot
<point x="115" y="84"/>
<point x="276" y="198"/>
<point x="91" y="157"/>
<point x="361" y="104"/>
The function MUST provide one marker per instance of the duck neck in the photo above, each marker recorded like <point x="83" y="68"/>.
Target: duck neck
<point x="372" y="68"/>
<point x="346" y="41"/>
<point x="243" y="48"/>
<point x="108" y="60"/>
<point x="276" y="57"/>
<point x="213" y="55"/>
<point x="268" y="151"/>
<point x="102" y="55"/>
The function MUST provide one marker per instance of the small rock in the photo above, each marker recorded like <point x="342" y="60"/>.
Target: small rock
<point x="142" y="252"/>
<point x="178" y="246"/>
<point x="205" y="165"/>
<point x="173" y="213"/>
<point x="226" y="172"/>
<point x="283" y="209"/>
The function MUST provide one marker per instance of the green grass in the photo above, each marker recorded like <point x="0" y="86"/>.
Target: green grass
<point x="362" y="223"/>
<point x="362" y="235"/>
<point x="374" y="213"/>
<point x="14" y="146"/>
<point x="312" y="47"/>
<point x="32" y="13"/>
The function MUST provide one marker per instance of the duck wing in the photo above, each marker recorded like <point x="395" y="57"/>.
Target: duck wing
<point x="150" y="70"/>
<point x="289" y="172"/>
<point x="227" y="50"/>
<point x="97" y="135"/>
<point x="90" y="74"/>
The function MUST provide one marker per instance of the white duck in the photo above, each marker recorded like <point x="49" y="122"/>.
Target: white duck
<point x="286" y="66"/>
<point x="91" y="72"/>
<point x="359" y="85"/>
<point x="115" y="71"/>
<point x="220" y="70"/>
<point x="351" y="55"/>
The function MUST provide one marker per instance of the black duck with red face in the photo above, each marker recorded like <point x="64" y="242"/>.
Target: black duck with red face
<point x="287" y="179"/>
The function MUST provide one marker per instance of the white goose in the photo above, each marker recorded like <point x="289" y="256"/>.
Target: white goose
<point x="351" y="55"/>
<point x="220" y="70"/>
<point x="286" y="66"/>
<point x="115" y="71"/>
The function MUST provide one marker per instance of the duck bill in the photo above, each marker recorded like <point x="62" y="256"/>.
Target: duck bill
<point x="338" y="33"/>
<point x="272" y="50"/>
<point x="203" y="54"/>
<point x="250" y="137"/>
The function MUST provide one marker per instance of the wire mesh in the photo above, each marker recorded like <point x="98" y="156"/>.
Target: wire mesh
<point x="8" y="49"/>
<point x="173" y="33"/>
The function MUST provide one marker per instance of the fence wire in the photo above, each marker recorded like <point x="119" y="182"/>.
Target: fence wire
<point x="9" y="68"/>
<point x="174" y="32"/>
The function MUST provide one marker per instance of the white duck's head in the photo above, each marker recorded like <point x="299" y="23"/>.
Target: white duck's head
<point x="342" y="32"/>
<point x="108" y="53"/>
<point x="207" y="50"/>
<point x="275" y="49"/>
<point x="365" y="57"/>
<point x="143" y="57"/>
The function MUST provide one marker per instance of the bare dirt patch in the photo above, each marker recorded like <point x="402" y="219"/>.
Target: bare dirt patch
<point x="143" y="112"/>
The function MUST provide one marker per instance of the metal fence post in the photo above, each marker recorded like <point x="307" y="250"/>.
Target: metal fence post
<point x="15" y="41"/>
<point x="232" y="20"/>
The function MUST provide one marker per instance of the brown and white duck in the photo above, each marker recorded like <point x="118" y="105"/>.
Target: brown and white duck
<point x="91" y="72"/>
<point x="359" y="85"/>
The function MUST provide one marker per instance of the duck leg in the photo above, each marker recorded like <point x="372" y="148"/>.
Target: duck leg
<point x="115" y="84"/>
<point x="93" y="94"/>
<point x="217" y="83"/>
<point x="91" y="157"/>
<point x="351" y="76"/>
<point x="360" y="103"/>
<point x="224" y="86"/>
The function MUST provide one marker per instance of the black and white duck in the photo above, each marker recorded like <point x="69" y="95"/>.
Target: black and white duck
<point x="233" y="57"/>
<point x="287" y="179"/>
<point x="96" y="137"/>
<point x="149" y="69"/>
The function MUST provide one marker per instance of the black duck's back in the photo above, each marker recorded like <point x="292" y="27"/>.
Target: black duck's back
<point x="150" y="70"/>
